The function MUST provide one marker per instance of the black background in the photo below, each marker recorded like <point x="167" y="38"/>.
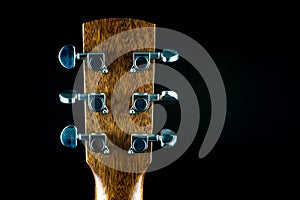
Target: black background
<point x="256" y="51"/>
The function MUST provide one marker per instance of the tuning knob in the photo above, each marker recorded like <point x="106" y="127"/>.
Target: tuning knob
<point x="141" y="101"/>
<point x="96" y="60"/>
<point x="141" y="60"/>
<point x="68" y="96"/>
<point x="67" y="56"/>
<point x="168" y="96"/>
<point x="140" y="141"/>
<point x="68" y="136"/>
<point x="168" y="138"/>
<point x="169" y="55"/>
<point x="97" y="141"/>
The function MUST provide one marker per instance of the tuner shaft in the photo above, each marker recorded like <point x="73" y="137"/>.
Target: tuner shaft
<point x="81" y="56"/>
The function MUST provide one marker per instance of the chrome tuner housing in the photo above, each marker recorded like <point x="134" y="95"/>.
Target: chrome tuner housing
<point x="139" y="143"/>
<point x="96" y="102"/>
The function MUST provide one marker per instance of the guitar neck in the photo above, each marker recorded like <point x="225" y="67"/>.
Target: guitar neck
<point x="114" y="184"/>
<point x="118" y="175"/>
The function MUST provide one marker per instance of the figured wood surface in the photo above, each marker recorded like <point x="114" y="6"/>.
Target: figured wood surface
<point x="118" y="175"/>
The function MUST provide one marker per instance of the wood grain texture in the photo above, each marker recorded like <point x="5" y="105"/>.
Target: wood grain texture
<point x="118" y="175"/>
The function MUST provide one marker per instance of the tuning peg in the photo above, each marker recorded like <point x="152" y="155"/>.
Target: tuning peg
<point x="67" y="57"/>
<point x="68" y="96"/>
<point x="97" y="141"/>
<point x="168" y="96"/>
<point x="168" y="138"/>
<point x="141" y="60"/>
<point x="169" y="55"/>
<point x="68" y="136"/>
<point x="140" y="141"/>
<point x="141" y="101"/>
<point x="96" y="101"/>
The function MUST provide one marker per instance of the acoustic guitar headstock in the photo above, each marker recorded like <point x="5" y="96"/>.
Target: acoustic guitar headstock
<point x="118" y="62"/>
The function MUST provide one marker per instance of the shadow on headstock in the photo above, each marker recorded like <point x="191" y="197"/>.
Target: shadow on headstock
<point x="119" y="70"/>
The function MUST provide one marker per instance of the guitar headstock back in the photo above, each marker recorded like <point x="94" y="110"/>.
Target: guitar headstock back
<point x="118" y="84"/>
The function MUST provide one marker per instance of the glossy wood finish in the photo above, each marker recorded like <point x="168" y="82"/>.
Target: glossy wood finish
<point x="118" y="175"/>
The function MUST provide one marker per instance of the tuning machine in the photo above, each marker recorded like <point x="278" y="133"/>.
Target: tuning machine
<point x="140" y="141"/>
<point x="97" y="141"/>
<point x="95" y="60"/>
<point x="141" y="60"/>
<point x="96" y="101"/>
<point x="141" y="101"/>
